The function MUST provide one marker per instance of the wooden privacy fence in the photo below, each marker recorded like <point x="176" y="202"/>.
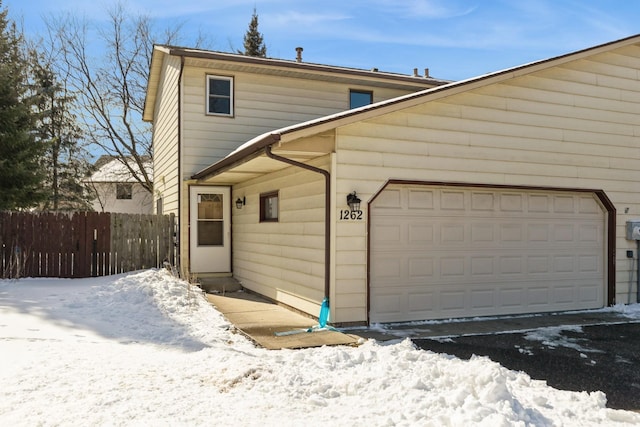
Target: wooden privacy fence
<point x="83" y="244"/>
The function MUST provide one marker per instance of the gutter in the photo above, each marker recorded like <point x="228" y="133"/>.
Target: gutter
<point x="327" y="213"/>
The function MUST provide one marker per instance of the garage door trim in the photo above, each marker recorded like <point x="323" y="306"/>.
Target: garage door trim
<point x="600" y="194"/>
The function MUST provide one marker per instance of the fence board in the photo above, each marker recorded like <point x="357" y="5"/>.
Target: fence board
<point x="83" y="244"/>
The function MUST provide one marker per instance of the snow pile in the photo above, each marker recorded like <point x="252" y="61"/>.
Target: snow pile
<point x="147" y="349"/>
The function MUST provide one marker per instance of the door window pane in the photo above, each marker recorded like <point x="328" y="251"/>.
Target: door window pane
<point x="209" y="206"/>
<point x="210" y="220"/>
<point x="210" y="233"/>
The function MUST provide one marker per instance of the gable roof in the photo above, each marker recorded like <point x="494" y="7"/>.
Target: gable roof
<point x="114" y="170"/>
<point x="279" y="67"/>
<point x="256" y="146"/>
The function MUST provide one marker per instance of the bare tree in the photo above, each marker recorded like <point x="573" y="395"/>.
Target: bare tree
<point x="109" y="75"/>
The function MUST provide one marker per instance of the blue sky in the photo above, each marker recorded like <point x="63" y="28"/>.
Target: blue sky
<point x="455" y="39"/>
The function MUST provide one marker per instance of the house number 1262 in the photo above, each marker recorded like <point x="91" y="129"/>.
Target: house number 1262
<point x="351" y="215"/>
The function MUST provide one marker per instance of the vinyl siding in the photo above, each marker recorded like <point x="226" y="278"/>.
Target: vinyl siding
<point x="283" y="260"/>
<point x="262" y="104"/>
<point x="166" y="138"/>
<point x="575" y="125"/>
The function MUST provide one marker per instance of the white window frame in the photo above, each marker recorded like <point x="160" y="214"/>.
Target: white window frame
<point x="211" y="77"/>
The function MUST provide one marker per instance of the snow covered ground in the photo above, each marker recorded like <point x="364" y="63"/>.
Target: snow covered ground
<point x="147" y="349"/>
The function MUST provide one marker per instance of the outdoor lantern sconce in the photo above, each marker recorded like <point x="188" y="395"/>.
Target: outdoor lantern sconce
<point x="240" y="202"/>
<point x="353" y="201"/>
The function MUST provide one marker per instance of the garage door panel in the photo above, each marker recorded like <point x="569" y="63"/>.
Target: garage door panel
<point x="590" y="233"/>
<point x="511" y="202"/>
<point x="538" y="203"/>
<point x="511" y="299"/>
<point x="452" y="200"/>
<point x="420" y="233"/>
<point x="420" y="268"/>
<point x="387" y="235"/>
<point x="390" y="199"/>
<point x="589" y="264"/>
<point x="589" y="206"/>
<point x="564" y="294"/>
<point x="420" y="199"/>
<point x="452" y="266"/>
<point x="482" y="233"/>
<point x="483" y="299"/>
<point x="391" y="306"/>
<point x="537" y="297"/>
<point x="421" y="302"/>
<point x="588" y="293"/>
<point x="564" y="204"/>
<point x="469" y="252"/>
<point x="538" y="264"/>
<point x="388" y="268"/>
<point x="482" y="266"/>
<point x="452" y="300"/>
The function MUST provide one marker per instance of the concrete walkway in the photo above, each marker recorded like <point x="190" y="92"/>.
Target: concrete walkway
<point x="260" y="319"/>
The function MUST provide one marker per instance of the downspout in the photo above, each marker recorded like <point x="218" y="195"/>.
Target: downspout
<point x="327" y="213"/>
<point x="180" y="180"/>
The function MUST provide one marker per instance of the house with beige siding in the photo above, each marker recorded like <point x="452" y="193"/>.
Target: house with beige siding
<point x="507" y="193"/>
<point x="204" y="105"/>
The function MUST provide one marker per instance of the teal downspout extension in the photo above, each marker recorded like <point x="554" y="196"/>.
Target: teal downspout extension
<point x="324" y="310"/>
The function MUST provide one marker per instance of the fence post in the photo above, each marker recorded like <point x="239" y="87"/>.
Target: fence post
<point x="94" y="253"/>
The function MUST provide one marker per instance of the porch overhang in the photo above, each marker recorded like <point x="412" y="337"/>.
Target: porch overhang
<point x="251" y="161"/>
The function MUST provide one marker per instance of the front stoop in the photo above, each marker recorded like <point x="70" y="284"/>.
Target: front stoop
<point x="219" y="285"/>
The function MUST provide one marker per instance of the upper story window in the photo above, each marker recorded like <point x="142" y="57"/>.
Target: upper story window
<point x="220" y="95"/>
<point x="124" y="191"/>
<point x="269" y="207"/>
<point x="359" y="98"/>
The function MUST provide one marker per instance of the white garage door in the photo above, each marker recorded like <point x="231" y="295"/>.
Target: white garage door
<point x="442" y="252"/>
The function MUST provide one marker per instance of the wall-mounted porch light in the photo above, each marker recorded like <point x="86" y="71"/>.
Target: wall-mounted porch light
<point x="240" y="202"/>
<point x="353" y="201"/>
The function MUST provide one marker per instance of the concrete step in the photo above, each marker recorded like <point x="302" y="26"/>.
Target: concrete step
<point x="219" y="285"/>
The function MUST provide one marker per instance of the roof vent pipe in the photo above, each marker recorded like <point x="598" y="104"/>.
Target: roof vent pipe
<point x="426" y="73"/>
<point x="415" y="72"/>
<point x="299" y="54"/>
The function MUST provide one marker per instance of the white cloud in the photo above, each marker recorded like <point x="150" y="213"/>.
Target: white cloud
<point x="430" y="9"/>
<point x="296" y="19"/>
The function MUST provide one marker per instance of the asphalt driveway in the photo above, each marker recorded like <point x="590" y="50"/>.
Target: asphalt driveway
<point x="602" y="357"/>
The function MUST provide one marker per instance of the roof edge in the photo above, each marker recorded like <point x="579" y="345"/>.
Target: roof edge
<point x="286" y="63"/>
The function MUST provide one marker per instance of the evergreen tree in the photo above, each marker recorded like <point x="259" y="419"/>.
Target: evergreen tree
<point x="56" y="129"/>
<point x="20" y="154"/>
<point x="253" y="40"/>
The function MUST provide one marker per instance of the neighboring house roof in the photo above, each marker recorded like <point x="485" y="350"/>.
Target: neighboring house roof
<point x="256" y="146"/>
<point x="115" y="171"/>
<point x="281" y="68"/>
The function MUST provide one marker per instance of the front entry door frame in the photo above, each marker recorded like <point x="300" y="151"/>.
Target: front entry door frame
<point x="209" y="229"/>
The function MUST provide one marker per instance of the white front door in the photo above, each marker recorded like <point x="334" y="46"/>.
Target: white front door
<point x="210" y="229"/>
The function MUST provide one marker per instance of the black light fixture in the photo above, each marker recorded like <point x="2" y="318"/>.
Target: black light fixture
<point x="240" y="202"/>
<point x="353" y="201"/>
